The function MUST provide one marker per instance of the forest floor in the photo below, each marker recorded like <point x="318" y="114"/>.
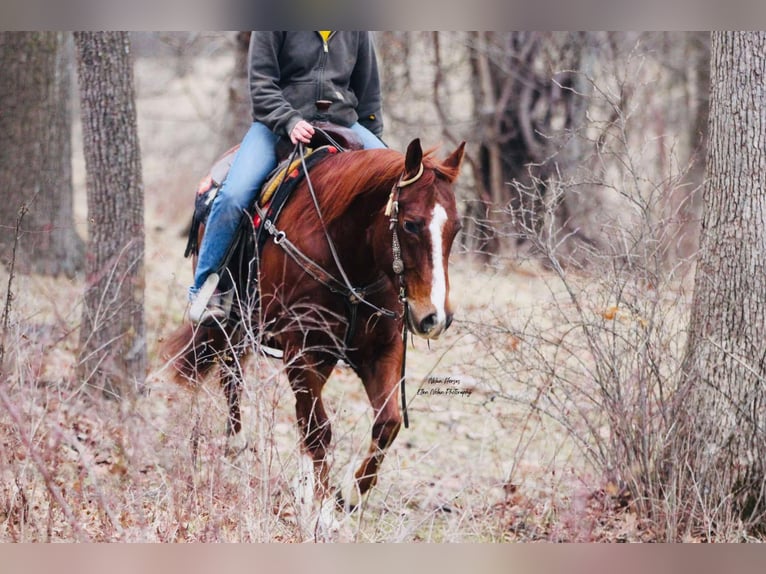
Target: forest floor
<point x="475" y="465"/>
<point x="479" y="465"/>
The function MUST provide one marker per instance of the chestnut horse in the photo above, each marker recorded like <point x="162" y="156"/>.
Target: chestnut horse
<point x="386" y="228"/>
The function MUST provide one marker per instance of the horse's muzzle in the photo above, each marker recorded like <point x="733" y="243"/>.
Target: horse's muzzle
<point x="430" y="326"/>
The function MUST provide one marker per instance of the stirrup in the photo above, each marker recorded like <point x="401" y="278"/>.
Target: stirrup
<point x="209" y="308"/>
<point x="271" y="352"/>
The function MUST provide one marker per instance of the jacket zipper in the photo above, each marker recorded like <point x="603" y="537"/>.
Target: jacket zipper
<point x="326" y="43"/>
<point x="323" y="62"/>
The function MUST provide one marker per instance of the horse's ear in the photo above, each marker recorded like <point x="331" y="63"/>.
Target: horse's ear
<point x="455" y="158"/>
<point x="413" y="158"/>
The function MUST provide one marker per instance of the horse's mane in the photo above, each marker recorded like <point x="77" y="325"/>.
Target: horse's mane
<point x="347" y="176"/>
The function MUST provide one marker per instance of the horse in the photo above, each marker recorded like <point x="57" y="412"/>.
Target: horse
<point x="369" y="235"/>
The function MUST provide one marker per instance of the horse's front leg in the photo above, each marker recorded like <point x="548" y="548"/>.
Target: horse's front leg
<point x="381" y="382"/>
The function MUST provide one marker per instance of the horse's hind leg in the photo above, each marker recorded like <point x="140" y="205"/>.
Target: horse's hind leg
<point x="231" y="381"/>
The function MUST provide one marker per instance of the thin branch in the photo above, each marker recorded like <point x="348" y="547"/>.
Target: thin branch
<point x="11" y="274"/>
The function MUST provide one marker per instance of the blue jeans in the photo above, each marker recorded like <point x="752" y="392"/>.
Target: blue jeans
<point x="252" y="164"/>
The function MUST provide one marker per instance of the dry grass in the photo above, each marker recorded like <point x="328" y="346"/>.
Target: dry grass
<point x="474" y="466"/>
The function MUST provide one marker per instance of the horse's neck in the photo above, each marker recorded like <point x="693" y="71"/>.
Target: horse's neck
<point x="358" y="229"/>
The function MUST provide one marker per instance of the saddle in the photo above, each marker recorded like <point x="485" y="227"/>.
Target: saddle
<point x="327" y="138"/>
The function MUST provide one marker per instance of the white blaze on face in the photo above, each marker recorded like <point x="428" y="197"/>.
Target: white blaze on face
<point x="439" y="278"/>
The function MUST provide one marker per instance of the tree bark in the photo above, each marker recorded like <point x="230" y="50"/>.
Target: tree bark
<point x="36" y="153"/>
<point x="725" y="363"/>
<point x="112" y="337"/>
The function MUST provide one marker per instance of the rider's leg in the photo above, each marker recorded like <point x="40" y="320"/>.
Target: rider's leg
<point x="369" y="139"/>
<point x="253" y="162"/>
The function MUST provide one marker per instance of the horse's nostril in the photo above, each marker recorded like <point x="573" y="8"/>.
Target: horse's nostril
<point x="449" y="320"/>
<point x="427" y="324"/>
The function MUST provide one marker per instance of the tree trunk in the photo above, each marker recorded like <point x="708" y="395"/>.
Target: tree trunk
<point x="683" y="201"/>
<point x="36" y="153"/>
<point x="490" y="187"/>
<point x="112" y="337"/>
<point x="239" y="109"/>
<point x="725" y="363"/>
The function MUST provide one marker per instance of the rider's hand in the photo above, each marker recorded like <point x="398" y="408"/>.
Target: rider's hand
<point x="302" y="132"/>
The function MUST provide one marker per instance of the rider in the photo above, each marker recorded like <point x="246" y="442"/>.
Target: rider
<point x="288" y="72"/>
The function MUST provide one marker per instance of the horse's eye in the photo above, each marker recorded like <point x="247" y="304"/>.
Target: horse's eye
<point x="412" y="227"/>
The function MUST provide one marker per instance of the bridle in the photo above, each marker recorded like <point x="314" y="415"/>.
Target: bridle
<point x="392" y="212"/>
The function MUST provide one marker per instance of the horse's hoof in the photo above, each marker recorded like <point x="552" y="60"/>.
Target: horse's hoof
<point x="327" y="527"/>
<point x="343" y="504"/>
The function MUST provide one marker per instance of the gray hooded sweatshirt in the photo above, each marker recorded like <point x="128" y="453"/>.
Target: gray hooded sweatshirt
<point x="290" y="71"/>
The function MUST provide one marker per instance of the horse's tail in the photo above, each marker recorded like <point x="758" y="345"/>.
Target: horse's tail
<point x="191" y="351"/>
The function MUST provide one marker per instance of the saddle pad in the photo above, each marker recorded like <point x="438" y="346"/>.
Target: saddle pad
<point x="279" y="175"/>
<point x="281" y="186"/>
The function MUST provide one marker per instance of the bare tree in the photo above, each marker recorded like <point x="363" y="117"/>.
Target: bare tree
<point x="686" y="63"/>
<point x="530" y="89"/>
<point x="576" y="132"/>
<point x="723" y="434"/>
<point x="36" y="152"/>
<point x="112" y="336"/>
<point x="238" y="115"/>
